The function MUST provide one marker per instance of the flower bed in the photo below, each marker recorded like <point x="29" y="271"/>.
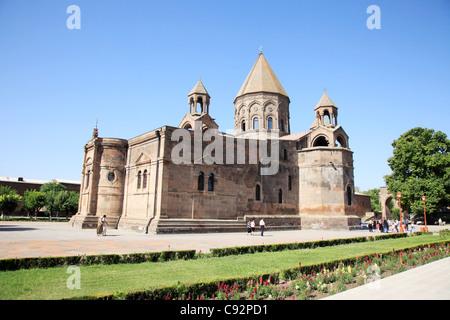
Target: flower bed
<point x="312" y="285"/>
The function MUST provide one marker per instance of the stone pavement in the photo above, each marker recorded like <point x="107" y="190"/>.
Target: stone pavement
<point x="428" y="282"/>
<point x="34" y="239"/>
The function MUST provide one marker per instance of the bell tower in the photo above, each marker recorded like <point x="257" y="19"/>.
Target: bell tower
<point x="198" y="100"/>
<point x="326" y="112"/>
<point x="325" y="131"/>
<point x="199" y="97"/>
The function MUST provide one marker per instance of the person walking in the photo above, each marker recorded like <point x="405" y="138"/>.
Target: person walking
<point x="104" y="223"/>
<point x="249" y="227"/>
<point x="252" y="225"/>
<point x="262" y="224"/>
<point x="385" y="226"/>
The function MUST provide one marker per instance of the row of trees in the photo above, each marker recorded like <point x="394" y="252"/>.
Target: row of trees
<point x="52" y="196"/>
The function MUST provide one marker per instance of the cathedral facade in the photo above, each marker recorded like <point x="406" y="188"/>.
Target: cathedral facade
<point x="194" y="178"/>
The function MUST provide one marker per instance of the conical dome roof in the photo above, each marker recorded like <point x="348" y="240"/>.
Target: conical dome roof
<point x="199" y="89"/>
<point x="261" y="79"/>
<point x="325" y="101"/>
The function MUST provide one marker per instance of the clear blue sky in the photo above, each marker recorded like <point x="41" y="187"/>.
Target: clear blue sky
<point x="132" y="64"/>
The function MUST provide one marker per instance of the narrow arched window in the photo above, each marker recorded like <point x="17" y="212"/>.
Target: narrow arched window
<point x="280" y="196"/>
<point x="243" y="125"/>
<point x="269" y="123"/>
<point x="326" y="117"/>
<point x="349" y="196"/>
<point x="255" y="123"/>
<point x="201" y="183"/>
<point x="87" y="179"/>
<point x="144" y="180"/>
<point x="289" y="183"/>
<point x="285" y="155"/>
<point x="281" y="125"/>
<point x="211" y="182"/>
<point x="258" y="192"/>
<point x="200" y="105"/>
<point x="139" y="179"/>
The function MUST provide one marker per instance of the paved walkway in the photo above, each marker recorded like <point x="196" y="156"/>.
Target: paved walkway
<point x="428" y="282"/>
<point x="34" y="239"/>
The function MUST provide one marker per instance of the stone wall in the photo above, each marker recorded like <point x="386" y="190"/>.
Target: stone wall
<point x="327" y="199"/>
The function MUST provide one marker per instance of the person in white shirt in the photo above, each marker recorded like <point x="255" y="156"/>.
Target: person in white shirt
<point x="262" y="224"/>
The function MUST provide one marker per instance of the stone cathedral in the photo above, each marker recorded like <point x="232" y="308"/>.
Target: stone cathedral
<point x="137" y="184"/>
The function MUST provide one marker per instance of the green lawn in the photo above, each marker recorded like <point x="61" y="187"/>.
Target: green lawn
<point x="52" y="283"/>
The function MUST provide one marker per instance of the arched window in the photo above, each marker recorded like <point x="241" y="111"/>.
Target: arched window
<point x="349" y="196"/>
<point x="289" y="183"/>
<point x="340" y="142"/>
<point x="280" y="196"/>
<point x="321" y="142"/>
<point x="285" y="155"/>
<point x="255" y="123"/>
<point x="139" y="179"/>
<point x="258" y="193"/>
<point x="201" y="183"/>
<point x="211" y="182"/>
<point x="144" y="180"/>
<point x="86" y="183"/>
<point x="269" y="123"/>
<point x="326" y="117"/>
<point x="200" y="104"/>
<point x="243" y="125"/>
<point x="281" y="125"/>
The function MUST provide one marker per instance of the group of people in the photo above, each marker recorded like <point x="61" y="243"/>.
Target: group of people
<point x="386" y="226"/>
<point x="251" y="226"/>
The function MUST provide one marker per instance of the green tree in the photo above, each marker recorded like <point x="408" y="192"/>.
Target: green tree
<point x="33" y="201"/>
<point x="9" y="199"/>
<point x="72" y="206"/>
<point x="52" y="201"/>
<point x="420" y="166"/>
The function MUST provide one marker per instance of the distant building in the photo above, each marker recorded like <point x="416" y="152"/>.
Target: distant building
<point x="22" y="184"/>
<point x="139" y="186"/>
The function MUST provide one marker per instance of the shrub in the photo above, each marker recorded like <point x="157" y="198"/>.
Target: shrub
<point x="221" y="252"/>
<point x="50" y="262"/>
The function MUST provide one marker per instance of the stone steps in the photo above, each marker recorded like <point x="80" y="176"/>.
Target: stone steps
<point x="166" y="226"/>
<point x="199" y="226"/>
<point x="90" y="222"/>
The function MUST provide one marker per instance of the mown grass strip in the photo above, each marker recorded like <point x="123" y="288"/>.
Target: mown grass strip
<point x="103" y="280"/>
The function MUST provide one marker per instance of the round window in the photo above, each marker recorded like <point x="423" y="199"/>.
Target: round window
<point x="111" y="176"/>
